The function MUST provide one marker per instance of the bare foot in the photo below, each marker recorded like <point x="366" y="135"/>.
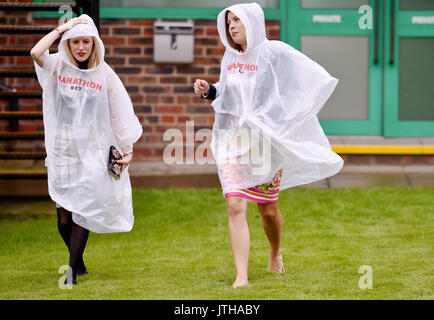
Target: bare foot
<point x="240" y="282"/>
<point x="275" y="264"/>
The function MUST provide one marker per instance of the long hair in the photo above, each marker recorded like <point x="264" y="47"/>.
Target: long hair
<point x="232" y="43"/>
<point x="93" y="58"/>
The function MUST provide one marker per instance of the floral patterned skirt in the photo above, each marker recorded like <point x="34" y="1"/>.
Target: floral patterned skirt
<point x="265" y="193"/>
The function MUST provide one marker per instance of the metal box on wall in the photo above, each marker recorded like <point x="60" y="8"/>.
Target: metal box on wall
<point x="173" y="41"/>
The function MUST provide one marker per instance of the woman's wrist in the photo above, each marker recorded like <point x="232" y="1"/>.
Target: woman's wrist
<point x="126" y="150"/>
<point x="62" y="28"/>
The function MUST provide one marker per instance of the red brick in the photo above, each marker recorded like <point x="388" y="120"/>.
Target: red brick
<point x="207" y="41"/>
<point x="168" y="119"/>
<point x="152" y="99"/>
<point x="152" y="119"/>
<point x="188" y="89"/>
<point x="273" y="34"/>
<point x="128" y="70"/>
<point x="117" y="22"/>
<point x="173" y="80"/>
<point x="135" y="79"/>
<point x="200" y="120"/>
<point x="164" y="128"/>
<point x="104" y="31"/>
<point x="143" y="109"/>
<point x="209" y="79"/>
<point x="148" y="32"/>
<point x="187" y="70"/>
<point x="198" y="32"/>
<point x="127" y="50"/>
<point x="136" y="98"/>
<point x="126" y="31"/>
<point x="216" y="51"/>
<point x="205" y="22"/>
<point x="141" y="41"/>
<point x="207" y="60"/>
<point x="359" y="159"/>
<point x="23" y="60"/>
<point x="183" y="119"/>
<point x="142" y="152"/>
<point x="148" y="129"/>
<point x="113" y="40"/>
<point x="141" y="60"/>
<point x="141" y="22"/>
<point x="159" y="70"/>
<point x="149" y="89"/>
<point x="167" y="99"/>
<point x="115" y="60"/>
<point x="212" y="31"/>
<point x="153" y="138"/>
<point x="169" y="109"/>
<point x="200" y="109"/>
<point x="183" y="99"/>
<point x="387" y="160"/>
<point x="269" y="23"/>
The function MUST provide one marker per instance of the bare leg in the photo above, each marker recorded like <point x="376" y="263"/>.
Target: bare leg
<point x="239" y="237"/>
<point x="272" y="222"/>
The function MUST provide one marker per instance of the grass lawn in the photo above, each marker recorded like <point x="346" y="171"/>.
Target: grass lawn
<point x="179" y="248"/>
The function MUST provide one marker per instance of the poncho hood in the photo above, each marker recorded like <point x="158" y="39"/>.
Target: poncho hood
<point x="252" y="16"/>
<point x="82" y="30"/>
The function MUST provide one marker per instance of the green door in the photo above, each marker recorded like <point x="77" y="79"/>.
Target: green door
<point x="377" y="54"/>
<point x="409" y="68"/>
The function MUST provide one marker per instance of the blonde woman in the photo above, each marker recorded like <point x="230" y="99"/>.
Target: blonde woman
<point x="270" y="89"/>
<point x="86" y="109"/>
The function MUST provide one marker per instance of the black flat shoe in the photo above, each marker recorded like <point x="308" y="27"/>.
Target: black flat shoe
<point x="74" y="281"/>
<point x="81" y="272"/>
<point x="81" y="269"/>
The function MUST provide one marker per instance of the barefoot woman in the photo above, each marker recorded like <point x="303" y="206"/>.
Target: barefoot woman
<point x="267" y="87"/>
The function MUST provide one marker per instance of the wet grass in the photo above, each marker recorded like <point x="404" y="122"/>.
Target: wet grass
<point x="179" y="248"/>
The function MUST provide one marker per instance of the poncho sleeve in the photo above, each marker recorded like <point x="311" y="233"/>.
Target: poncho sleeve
<point x="126" y="126"/>
<point x="48" y="69"/>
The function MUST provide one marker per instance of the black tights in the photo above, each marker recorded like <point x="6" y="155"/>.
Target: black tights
<point x="75" y="238"/>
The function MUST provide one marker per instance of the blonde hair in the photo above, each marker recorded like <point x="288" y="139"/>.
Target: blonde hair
<point x="93" y="58"/>
<point x="232" y="43"/>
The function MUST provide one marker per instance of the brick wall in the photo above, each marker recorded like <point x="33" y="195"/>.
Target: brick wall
<point x="162" y="94"/>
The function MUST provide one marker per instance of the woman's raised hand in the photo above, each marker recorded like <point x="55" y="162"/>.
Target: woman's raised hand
<point x="71" y="22"/>
<point x="201" y="86"/>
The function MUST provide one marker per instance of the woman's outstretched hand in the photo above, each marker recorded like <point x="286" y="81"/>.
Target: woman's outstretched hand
<point x="201" y="86"/>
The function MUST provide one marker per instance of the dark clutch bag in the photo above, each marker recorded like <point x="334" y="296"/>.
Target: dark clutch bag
<point x="113" y="168"/>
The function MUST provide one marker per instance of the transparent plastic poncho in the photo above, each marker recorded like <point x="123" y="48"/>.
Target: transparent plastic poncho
<point x="85" y="111"/>
<point x="266" y="109"/>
